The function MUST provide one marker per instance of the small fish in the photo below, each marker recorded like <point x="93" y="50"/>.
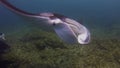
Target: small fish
<point x="4" y="47"/>
<point x="67" y="29"/>
<point x="2" y="36"/>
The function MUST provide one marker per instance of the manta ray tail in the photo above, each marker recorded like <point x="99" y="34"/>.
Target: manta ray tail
<point x="15" y="9"/>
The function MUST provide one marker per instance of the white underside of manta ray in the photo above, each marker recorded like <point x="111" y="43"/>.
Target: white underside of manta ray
<point x="67" y="29"/>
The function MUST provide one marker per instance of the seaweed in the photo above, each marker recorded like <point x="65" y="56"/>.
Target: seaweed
<point x="40" y="49"/>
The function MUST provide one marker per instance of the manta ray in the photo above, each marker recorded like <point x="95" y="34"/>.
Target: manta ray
<point x="66" y="28"/>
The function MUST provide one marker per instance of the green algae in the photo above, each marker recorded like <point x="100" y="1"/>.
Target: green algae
<point x="41" y="49"/>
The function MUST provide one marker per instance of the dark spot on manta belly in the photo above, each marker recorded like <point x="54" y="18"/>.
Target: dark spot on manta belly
<point x="54" y="24"/>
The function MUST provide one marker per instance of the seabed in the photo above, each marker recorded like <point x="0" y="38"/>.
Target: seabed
<point x="40" y="49"/>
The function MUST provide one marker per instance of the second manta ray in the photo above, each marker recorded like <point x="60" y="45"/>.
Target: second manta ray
<point x="67" y="29"/>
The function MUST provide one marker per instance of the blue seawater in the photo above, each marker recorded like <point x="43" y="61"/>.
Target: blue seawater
<point x="101" y="17"/>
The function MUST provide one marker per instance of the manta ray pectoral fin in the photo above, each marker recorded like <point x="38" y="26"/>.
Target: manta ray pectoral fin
<point x="84" y="38"/>
<point x="81" y="32"/>
<point x="65" y="33"/>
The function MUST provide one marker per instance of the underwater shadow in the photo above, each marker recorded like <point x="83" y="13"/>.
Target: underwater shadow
<point x="4" y="48"/>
